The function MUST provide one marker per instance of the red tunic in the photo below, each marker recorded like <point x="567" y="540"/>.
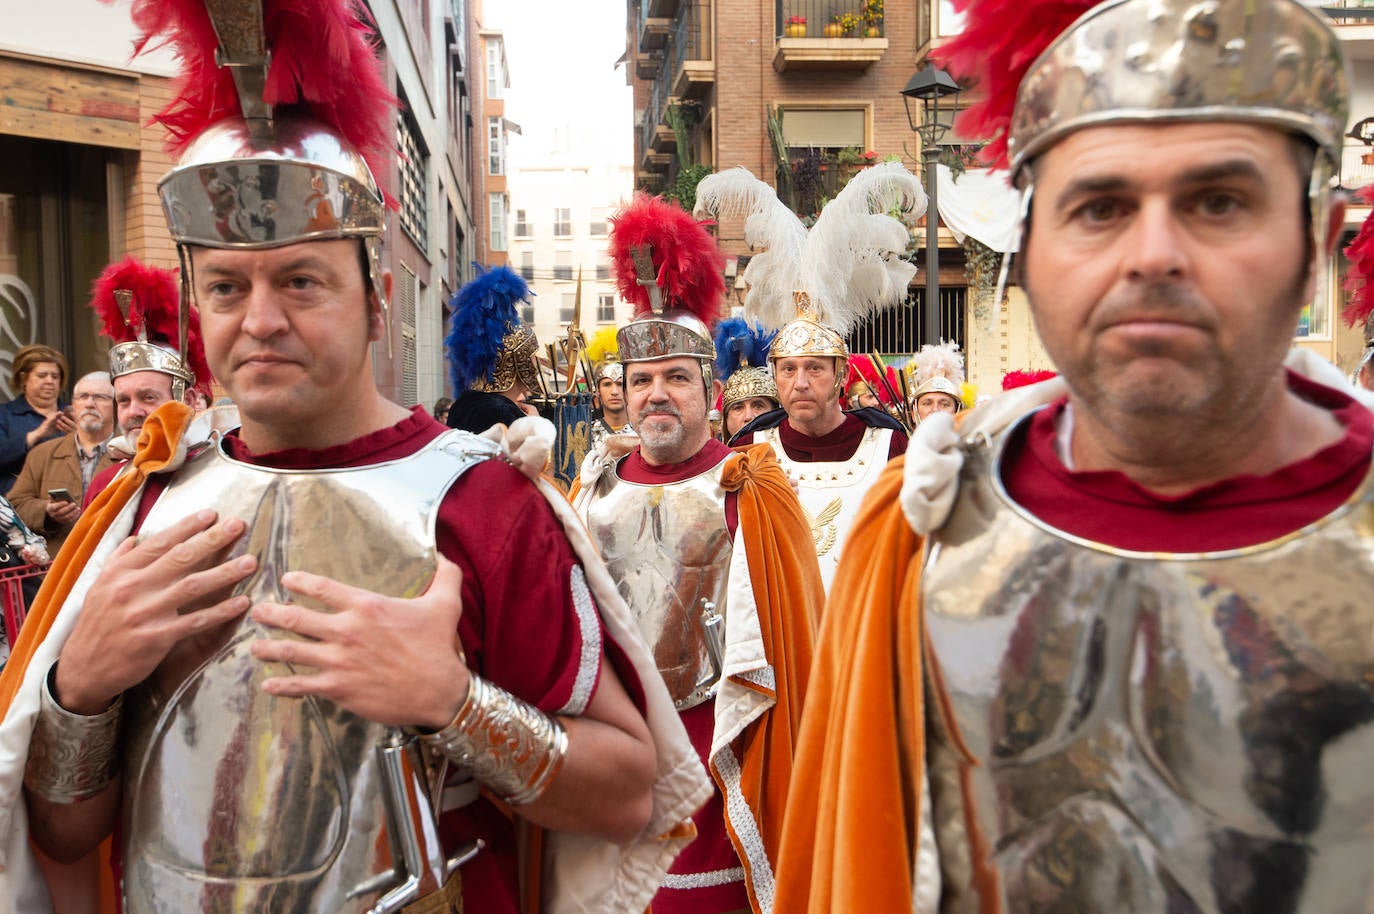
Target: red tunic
<point x="1107" y="507"/>
<point x="519" y="628"/>
<point x="712" y="851"/>
<point x="837" y="445"/>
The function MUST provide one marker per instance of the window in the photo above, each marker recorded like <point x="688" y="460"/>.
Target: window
<point x="562" y="222"/>
<point x="526" y="262"/>
<point x="603" y="268"/>
<point x="814" y="138"/>
<point x="598" y="223"/>
<point x="498" y="222"/>
<point x="951" y="23"/>
<point x="562" y="265"/>
<point x="569" y="308"/>
<point x="522" y="227"/>
<point x="605" y="308"/>
<point x="496" y="147"/>
<point x="496" y="76"/>
<point x="527" y="312"/>
<point x="413" y="163"/>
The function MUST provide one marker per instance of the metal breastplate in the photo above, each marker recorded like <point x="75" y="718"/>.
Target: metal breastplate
<point x="831" y="491"/>
<point x="668" y="550"/>
<point x="238" y="801"/>
<point x="1153" y="732"/>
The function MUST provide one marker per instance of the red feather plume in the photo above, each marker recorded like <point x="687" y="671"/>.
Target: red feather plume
<point x="691" y="270"/>
<point x="324" y="62"/>
<point x="862" y="367"/>
<point x="1000" y="40"/>
<point x="156" y="296"/>
<point x="1014" y="379"/>
<point x="1360" y="253"/>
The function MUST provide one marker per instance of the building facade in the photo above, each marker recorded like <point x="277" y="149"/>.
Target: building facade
<point x="796" y="90"/>
<point x="80" y="161"/>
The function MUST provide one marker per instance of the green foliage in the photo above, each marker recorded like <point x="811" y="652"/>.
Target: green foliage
<point x="684" y="189"/>
<point x="981" y="266"/>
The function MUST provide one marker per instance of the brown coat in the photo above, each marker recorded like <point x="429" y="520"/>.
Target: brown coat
<point x="52" y="464"/>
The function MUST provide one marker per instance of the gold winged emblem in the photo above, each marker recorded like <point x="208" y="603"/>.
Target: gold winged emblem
<point x="823" y="529"/>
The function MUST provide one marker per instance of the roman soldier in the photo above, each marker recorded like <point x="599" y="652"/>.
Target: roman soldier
<point x="742" y="366"/>
<point x="609" y="378"/>
<point x="340" y="658"/>
<point x="812" y="286"/>
<point x="491" y="352"/>
<point x="708" y="547"/>
<point x="1118" y="620"/>
<point x="937" y="380"/>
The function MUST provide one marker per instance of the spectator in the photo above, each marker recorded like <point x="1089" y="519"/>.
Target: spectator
<point x="67" y="464"/>
<point x="37" y="412"/>
<point x="441" y="406"/>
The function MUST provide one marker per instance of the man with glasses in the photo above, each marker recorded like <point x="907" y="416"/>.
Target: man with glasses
<point x="52" y="485"/>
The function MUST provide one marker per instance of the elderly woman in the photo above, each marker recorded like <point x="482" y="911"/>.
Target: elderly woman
<point x="37" y="413"/>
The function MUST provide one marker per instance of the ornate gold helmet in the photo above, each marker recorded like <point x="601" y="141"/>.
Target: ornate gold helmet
<point x="604" y="351"/>
<point x="806" y="335"/>
<point x="742" y="362"/>
<point x="489" y="349"/>
<point x="746" y="384"/>
<point x="666" y="265"/>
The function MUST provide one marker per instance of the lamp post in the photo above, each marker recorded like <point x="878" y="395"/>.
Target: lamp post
<point x="928" y="86"/>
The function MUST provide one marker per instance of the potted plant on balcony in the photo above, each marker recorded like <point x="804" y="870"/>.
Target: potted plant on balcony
<point x="873" y="18"/>
<point x="833" y="29"/>
<point x="796" y="27"/>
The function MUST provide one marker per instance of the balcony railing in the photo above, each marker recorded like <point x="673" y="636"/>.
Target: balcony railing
<point x="1357" y="166"/>
<point x="829" y="18"/>
<point x="1349" y="12"/>
<point x="690" y="38"/>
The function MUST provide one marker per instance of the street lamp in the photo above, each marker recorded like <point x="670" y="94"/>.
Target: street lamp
<point x="928" y="86"/>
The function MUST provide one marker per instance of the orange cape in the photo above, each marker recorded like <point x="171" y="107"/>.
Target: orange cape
<point x="790" y="597"/>
<point x="852" y="815"/>
<point x="157" y="451"/>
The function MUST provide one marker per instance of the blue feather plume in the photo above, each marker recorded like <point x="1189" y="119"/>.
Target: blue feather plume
<point x="738" y="345"/>
<point x="484" y="311"/>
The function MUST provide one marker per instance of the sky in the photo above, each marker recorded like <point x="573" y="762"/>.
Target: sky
<point x="562" y="56"/>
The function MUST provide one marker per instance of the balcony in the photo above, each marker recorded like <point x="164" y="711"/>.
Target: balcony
<point x="690" y="57"/>
<point x="648" y="65"/>
<point x="653" y="33"/>
<point x="658" y="9"/>
<point x="828" y="34"/>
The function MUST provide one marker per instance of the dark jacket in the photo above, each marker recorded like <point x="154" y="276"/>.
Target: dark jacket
<point x="476" y="411"/>
<point x="17" y="419"/>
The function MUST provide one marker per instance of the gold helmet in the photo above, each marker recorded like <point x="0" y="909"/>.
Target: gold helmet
<point x="742" y="362"/>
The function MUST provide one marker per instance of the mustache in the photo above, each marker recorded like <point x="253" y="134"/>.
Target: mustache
<point x="1165" y="301"/>
<point x="664" y="410"/>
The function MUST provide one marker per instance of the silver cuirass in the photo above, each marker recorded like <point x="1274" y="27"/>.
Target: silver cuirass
<point x="668" y="550"/>
<point x="1155" y="732"/>
<point x="238" y="801"/>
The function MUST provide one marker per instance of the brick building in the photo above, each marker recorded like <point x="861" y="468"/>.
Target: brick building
<point x="711" y="76"/>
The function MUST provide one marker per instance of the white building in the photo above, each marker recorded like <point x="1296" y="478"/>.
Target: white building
<point x="561" y="198"/>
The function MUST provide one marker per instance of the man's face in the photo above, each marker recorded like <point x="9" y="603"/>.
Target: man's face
<point x="136" y="396"/>
<point x="93" y="404"/>
<point x="1165" y="265"/>
<point x="611" y="393"/>
<point x="287" y="331"/>
<point x="742" y="412"/>
<point x="934" y="402"/>
<point x="667" y="404"/>
<point x="807" y="386"/>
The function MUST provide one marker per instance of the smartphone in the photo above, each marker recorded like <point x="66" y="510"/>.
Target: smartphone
<point x="60" y="495"/>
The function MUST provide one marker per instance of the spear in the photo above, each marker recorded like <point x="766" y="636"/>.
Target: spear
<point x="897" y="403"/>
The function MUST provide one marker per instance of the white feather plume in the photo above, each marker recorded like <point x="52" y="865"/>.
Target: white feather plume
<point x="938" y="361"/>
<point x="771" y="229"/>
<point x="848" y="263"/>
<point x="850" y="266"/>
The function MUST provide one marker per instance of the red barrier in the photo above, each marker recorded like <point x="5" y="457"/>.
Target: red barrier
<point x="12" y="596"/>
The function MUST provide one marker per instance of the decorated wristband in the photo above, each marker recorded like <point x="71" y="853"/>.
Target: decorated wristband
<point x="508" y="746"/>
<point x="71" y="757"/>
